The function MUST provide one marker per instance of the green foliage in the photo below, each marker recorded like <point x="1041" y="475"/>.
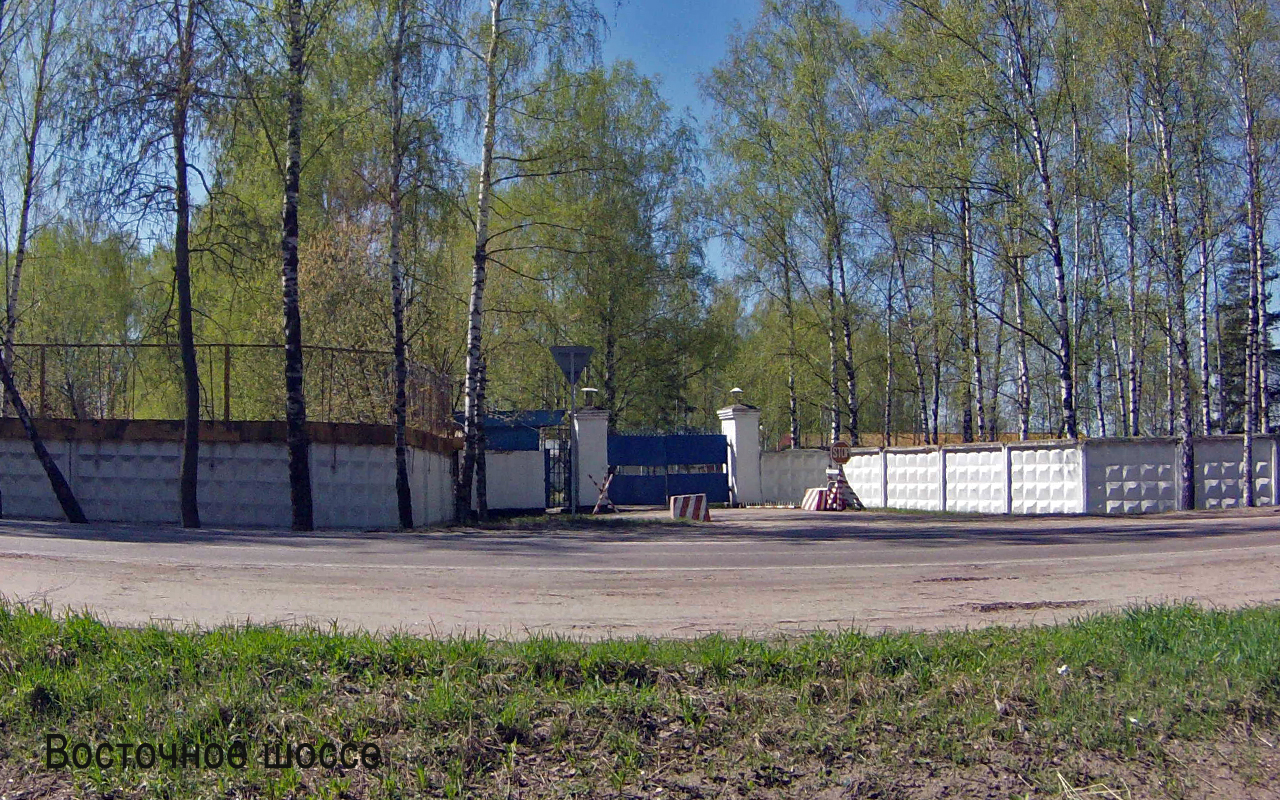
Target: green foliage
<point x="887" y="182"/>
<point x="606" y="252"/>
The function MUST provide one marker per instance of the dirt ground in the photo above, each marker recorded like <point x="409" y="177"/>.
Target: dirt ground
<point x="753" y="571"/>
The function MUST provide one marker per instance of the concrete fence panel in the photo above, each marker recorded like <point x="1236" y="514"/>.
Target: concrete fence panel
<point x="354" y="486"/>
<point x="24" y="488"/>
<point x="241" y="483"/>
<point x="865" y="474"/>
<point x="1046" y="479"/>
<point x="915" y="479"/>
<point x="1131" y="476"/>
<point x="1219" y="470"/>
<point x="431" y="476"/>
<point x="516" y="480"/>
<point x="977" y="480"/>
<point x="785" y="474"/>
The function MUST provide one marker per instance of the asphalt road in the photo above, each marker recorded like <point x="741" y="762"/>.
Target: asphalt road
<point x="757" y="571"/>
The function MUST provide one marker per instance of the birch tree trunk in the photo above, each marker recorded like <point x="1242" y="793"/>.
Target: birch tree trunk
<point x="610" y="368"/>
<point x="971" y="286"/>
<point x="57" y="481"/>
<point x="473" y="420"/>
<point x="1253" y="346"/>
<point x="61" y="489"/>
<point x="295" y="400"/>
<point x="997" y="366"/>
<point x="1180" y="372"/>
<point x="851" y="373"/>
<point x="188" y="474"/>
<point x="922" y="401"/>
<point x="1024" y="366"/>
<point x="482" y="466"/>
<point x="1202" y="250"/>
<point x="1206" y="408"/>
<point x="831" y="344"/>
<point x="793" y="400"/>
<point x="1098" y="378"/>
<point x="937" y="334"/>
<point x="404" y="495"/>
<point x="1256" y="344"/>
<point x="1039" y="147"/>
<point x="1118" y="365"/>
<point x="32" y="138"/>
<point x="888" y="363"/>
<point x="1131" y="253"/>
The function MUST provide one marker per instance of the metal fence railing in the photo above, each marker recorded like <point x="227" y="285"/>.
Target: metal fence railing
<point x="237" y="381"/>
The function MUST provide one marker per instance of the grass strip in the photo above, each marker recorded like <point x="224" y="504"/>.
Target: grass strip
<point x="1119" y="701"/>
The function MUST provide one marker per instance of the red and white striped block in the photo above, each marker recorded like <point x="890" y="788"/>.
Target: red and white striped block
<point x="815" y="499"/>
<point x="690" y="506"/>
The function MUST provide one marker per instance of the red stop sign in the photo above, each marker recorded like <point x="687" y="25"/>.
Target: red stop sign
<point x="841" y="452"/>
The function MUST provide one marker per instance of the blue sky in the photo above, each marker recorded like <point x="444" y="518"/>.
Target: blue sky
<point x="680" y="40"/>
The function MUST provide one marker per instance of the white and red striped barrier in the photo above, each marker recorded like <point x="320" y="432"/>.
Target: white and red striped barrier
<point x="690" y="506"/>
<point x="815" y="499"/>
<point x="835" y="496"/>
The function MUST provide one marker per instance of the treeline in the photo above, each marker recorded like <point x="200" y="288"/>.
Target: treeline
<point x="459" y="183"/>
<point x="977" y="219"/>
<point x="1049" y="216"/>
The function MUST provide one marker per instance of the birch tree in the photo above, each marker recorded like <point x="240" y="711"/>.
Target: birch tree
<point x="506" y="51"/>
<point x="38" y="93"/>
<point x="413" y="110"/>
<point x="30" y="139"/>
<point x="147" y="107"/>
<point x="1249" y="37"/>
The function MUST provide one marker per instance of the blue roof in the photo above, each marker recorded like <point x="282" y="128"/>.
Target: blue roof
<point x="543" y="418"/>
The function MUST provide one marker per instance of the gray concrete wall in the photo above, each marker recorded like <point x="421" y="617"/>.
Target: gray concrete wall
<point x="241" y="483"/>
<point x="516" y="480"/>
<point x="785" y="474"/>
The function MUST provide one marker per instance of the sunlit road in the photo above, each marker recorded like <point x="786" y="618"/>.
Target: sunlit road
<point x="752" y="571"/>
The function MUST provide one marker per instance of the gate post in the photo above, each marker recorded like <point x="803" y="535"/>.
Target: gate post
<point x="591" y="434"/>
<point x="741" y="426"/>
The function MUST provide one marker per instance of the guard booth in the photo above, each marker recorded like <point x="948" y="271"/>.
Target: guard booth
<point x="650" y="469"/>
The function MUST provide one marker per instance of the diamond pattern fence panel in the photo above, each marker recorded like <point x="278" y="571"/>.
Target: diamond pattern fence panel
<point x="865" y="474"/>
<point x="977" y="480"/>
<point x="914" y="477"/>
<point x="1046" y="479"/>
<point x="1131" y="476"/>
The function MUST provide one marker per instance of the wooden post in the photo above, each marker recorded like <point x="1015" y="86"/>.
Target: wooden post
<point x="226" y="383"/>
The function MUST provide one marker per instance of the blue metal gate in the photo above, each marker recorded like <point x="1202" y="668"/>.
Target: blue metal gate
<point x="649" y="469"/>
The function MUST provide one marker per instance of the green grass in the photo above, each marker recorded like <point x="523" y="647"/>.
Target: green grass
<point x="546" y="716"/>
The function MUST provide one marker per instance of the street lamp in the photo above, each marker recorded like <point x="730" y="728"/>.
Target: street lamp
<point x="590" y="393"/>
<point x="737" y="395"/>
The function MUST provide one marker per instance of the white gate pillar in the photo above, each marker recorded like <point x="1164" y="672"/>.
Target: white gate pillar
<point x="741" y="426"/>
<point x="591" y="435"/>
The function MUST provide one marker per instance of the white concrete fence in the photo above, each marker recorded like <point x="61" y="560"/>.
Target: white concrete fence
<point x="130" y="474"/>
<point x="1099" y="476"/>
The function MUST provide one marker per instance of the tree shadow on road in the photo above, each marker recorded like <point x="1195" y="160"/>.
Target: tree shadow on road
<point x="552" y="537"/>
